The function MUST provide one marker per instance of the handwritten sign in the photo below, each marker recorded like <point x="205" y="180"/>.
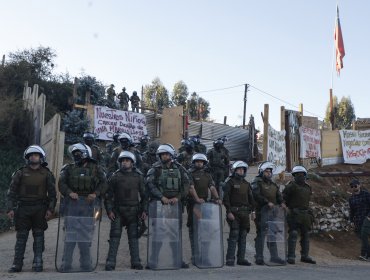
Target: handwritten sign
<point x="276" y="149"/>
<point x="108" y="121"/>
<point x="355" y="145"/>
<point x="310" y="142"/>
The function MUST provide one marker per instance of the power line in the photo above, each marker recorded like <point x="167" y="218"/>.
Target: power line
<point x="219" y="89"/>
<point x="286" y="102"/>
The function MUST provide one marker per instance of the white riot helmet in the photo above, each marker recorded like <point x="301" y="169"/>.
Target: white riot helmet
<point x="266" y="165"/>
<point x="299" y="169"/>
<point x="127" y="154"/>
<point x="239" y="164"/>
<point x="199" y="156"/>
<point x="124" y="135"/>
<point x="83" y="148"/>
<point x="35" y="149"/>
<point x="166" y="148"/>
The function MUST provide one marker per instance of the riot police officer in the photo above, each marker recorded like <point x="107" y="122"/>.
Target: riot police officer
<point x="198" y="193"/>
<point x="143" y="145"/>
<point x="124" y="98"/>
<point x="31" y="202"/>
<point x="150" y="157"/>
<point x="89" y="140"/>
<point x="135" y="102"/>
<point x="218" y="162"/>
<point x="239" y="203"/>
<point x="126" y="144"/>
<point x="198" y="146"/>
<point x="125" y="209"/>
<point x="297" y="195"/>
<point x="266" y="194"/>
<point x="185" y="157"/>
<point x="168" y="182"/>
<point x="83" y="179"/>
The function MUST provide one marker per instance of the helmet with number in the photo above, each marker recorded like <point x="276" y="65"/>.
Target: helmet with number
<point x="127" y="154"/>
<point x="35" y="149"/>
<point x="266" y="165"/>
<point x="239" y="164"/>
<point x="166" y="148"/>
<point x="299" y="169"/>
<point x="199" y="156"/>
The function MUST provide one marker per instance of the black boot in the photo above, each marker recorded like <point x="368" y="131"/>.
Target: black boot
<point x="38" y="249"/>
<point x="133" y="244"/>
<point x="112" y="254"/>
<point x="20" y="247"/>
<point x="231" y="247"/>
<point x="292" y="241"/>
<point x="242" y="243"/>
<point x="305" y="245"/>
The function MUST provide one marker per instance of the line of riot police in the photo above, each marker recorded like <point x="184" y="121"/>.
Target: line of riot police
<point x="161" y="192"/>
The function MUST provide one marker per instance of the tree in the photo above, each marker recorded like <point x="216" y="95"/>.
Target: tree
<point x="156" y="95"/>
<point x="198" y="107"/>
<point x="344" y="113"/>
<point x="96" y="88"/>
<point x="74" y="123"/>
<point x="180" y="94"/>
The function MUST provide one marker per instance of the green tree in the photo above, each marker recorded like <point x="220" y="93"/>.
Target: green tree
<point x="199" y="108"/>
<point x="180" y="94"/>
<point x="96" y="88"/>
<point x="156" y="95"/>
<point x="74" y="123"/>
<point x="344" y="113"/>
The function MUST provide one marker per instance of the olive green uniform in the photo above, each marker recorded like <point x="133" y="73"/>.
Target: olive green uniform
<point x="31" y="194"/>
<point x="219" y="164"/>
<point x="238" y="200"/>
<point x="123" y="100"/>
<point x="299" y="218"/>
<point x="122" y="198"/>
<point x="86" y="179"/>
<point x="113" y="163"/>
<point x="185" y="159"/>
<point x="168" y="181"/>
<point x="135" y="101"/>
<point x="97" y="154"/>
<point x="264" y="191"/>
<point x="203" y="181"/>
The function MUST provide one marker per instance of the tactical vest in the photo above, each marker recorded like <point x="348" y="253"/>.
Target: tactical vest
<point x="239" y="193"/>
<point x="299" y="196"/>
<point x="33" y="184"/>
<point x="82" y="179"/>
<point x="217" y="159"/>
<point x="126" y="192"/>
<point x="169" y="181"/>
<point x="201" y="183"/>
<point x="186" y="159"/>
<point x="269" y="191"/>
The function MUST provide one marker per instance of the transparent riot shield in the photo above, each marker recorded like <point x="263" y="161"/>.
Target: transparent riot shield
<point x="273" y="223"/>
<point x="164" y="238"/>
<point x="208" y="239"/>
<point x="78" y="235"/>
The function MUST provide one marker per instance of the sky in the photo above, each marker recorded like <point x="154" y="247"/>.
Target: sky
<point x="282" y="49"/>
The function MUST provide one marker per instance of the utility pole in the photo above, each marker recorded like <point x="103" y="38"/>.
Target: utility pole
<point x="245" y="103"/>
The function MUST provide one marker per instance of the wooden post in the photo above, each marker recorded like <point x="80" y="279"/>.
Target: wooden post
<point x="225" y="120"/>
<point x="331" y="115"/>
<point x="282" y="118"/>
<point x="245" y="103"/>
<point x="265" y="130"/>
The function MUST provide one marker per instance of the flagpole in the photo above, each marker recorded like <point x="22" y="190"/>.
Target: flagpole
<point x="331" y="116"/>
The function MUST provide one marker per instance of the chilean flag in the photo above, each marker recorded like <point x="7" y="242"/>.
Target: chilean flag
<point x="339" y="46"/>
